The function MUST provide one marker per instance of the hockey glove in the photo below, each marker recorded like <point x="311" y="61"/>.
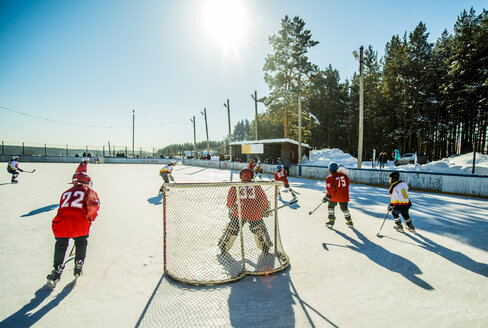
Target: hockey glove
<point x="171" y="178"/>
<point x="391" y="208"/>
<point x="325" y="199"/>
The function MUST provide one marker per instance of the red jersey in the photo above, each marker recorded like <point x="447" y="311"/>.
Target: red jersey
<point x="251" y="165"/>
<point x="337" y="185"/>
<point x="78" y="207"/>
<point x="82" y="167"/>
<point x="253" y="202"/>
<point x="280" y="175"/>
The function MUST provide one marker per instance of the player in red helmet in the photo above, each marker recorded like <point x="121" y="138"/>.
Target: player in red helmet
<point x="83" y="167"/>
<point x="78" y="207"/>
<point x="254" y="203"/>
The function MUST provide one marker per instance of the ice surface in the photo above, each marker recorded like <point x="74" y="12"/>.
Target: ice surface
<point x="337" y="278"/>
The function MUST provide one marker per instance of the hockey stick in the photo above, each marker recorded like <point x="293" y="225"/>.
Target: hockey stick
<point x="310" y="213"/>
<point x="34" y="170"/>
<point x="284" y="205"/>
<point x="378" y="234"/>
<point x="71" y="252"/>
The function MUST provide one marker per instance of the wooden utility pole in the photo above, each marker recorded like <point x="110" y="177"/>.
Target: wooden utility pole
<point x="194" y="138"/>
<point x="204" y="113"/>
<point x="230" y="135"/>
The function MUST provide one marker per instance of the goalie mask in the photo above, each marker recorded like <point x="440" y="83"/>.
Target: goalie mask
<point x="246" y="174"/>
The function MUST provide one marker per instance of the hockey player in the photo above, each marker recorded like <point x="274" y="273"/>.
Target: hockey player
<point x="251" y="164"/>
<point x="258" y="170"/>
<point x="83" y="167"/>
<point x="337" y="191"/>
<point x="14" y="169"/>
<point x="280" y="175"/>
<point x="399" y="202"/>
<point x="78" y="207"/>
<point x="167" y="174"/>
<point x="254" y="204"/>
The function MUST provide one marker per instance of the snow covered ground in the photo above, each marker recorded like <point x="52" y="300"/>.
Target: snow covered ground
<point x="461" y="164"/>
<point x="337" y="278"/>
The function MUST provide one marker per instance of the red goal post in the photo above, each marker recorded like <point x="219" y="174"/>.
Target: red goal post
<point x="219" y="232"/>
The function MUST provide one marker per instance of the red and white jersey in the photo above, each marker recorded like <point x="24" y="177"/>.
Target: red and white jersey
<point x="78" y="207"/>
<point x="258" y="166"/>
<point x="251" y="165"/>
<point x="280" y="175"/>
<point x="399" y="193"/>
<point x="83" y="167"/>
<point x="337" y="185"/>
<point x="167" y="169"/>
<point x="253" y="202"/>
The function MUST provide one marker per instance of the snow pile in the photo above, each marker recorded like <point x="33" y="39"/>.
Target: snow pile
<point x="324" y="157"/>
<point x="458" y="164"/>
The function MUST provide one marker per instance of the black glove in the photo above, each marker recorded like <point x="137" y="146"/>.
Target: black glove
<point x="325" y="199"/>
<point x="391" y="208"/>
<point x="21" y="170"/>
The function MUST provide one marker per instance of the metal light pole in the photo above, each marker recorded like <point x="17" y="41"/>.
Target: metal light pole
<point x="133" y="122"/>
<point x="361" y="103"/>
<point x="230" y="135"/>
<point x="204" y="113"/>
<point x="194" y="137"/>
<point x="255" y="97"/>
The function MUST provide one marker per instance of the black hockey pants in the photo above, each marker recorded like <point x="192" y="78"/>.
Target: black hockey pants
<point x="62" y="245"/>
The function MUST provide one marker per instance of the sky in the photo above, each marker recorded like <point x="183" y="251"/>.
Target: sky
<point x="73" y="72"/>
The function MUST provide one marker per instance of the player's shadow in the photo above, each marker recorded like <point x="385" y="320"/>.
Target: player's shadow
<point x="156" y="200"/>
<point x="455" y="257"/>
<point x="386" y="259"/>
<point x="41" y="210"/>
<point x="253" y="301"/>
<point x="6" y="183"/>
<point x="24" y="317"/>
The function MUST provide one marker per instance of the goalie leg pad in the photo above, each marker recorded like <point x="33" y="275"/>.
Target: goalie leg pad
<point x="229" y="237"/>
<point x="261" y="236"/>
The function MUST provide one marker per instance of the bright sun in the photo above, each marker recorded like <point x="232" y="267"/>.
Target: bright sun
<point x="225" y="22"/>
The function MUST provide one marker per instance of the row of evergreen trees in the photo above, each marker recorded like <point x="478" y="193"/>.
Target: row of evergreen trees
<point x="420" y="96"/>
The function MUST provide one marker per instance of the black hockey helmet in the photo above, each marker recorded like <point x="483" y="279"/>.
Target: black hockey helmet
<point x="394" y="176"/>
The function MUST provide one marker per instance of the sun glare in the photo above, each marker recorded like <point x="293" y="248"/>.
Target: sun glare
<point x="225" y="22"/>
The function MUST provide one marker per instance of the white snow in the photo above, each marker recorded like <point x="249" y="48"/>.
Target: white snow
<point x="337" y="278"/>
<point x="461" y="164"/>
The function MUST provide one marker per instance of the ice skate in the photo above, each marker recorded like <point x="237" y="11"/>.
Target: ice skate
<point x="350" y="224"/>
<point x="78" y="268"/>
<point x="330" y="223"/>
<point x="398" y="227"/>
<point x="410" y="227"/>
<point x="54" y="276"/>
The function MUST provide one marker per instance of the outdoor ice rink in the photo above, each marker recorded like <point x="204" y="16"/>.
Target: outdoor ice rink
<point x="337" y="278"/>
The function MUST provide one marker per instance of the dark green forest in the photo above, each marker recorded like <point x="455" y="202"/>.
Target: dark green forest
<point x="420" y="96"/>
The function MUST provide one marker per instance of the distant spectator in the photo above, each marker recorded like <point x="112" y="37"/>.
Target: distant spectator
<point x="286" y="166"/>
<point x="382" y="159"/>
<point x="304" y="158"/>
<point x="76" y="155"/>
<point x="396" y="156"/>
<point x="84" y="154"/>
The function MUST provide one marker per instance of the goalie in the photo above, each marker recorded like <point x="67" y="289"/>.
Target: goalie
<point x="254" y="204"/>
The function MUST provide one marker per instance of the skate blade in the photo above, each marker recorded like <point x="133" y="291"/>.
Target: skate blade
<point x="51" y="284"/>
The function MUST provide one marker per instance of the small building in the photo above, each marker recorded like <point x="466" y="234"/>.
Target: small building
<point x="270" y="151"/>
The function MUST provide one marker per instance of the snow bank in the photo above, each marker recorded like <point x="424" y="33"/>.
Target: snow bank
<point x="461" y="164"/>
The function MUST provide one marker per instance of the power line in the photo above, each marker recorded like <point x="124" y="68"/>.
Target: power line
<point x="86" y="125"/>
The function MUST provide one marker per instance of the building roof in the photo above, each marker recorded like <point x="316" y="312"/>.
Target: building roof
<point x="268" y="141"/>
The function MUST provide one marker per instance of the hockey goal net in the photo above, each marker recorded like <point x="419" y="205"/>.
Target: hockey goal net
<point x="219" y="232"/>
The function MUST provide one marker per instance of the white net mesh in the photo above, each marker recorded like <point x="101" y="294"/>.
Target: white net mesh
<point x="219" y="232"/>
